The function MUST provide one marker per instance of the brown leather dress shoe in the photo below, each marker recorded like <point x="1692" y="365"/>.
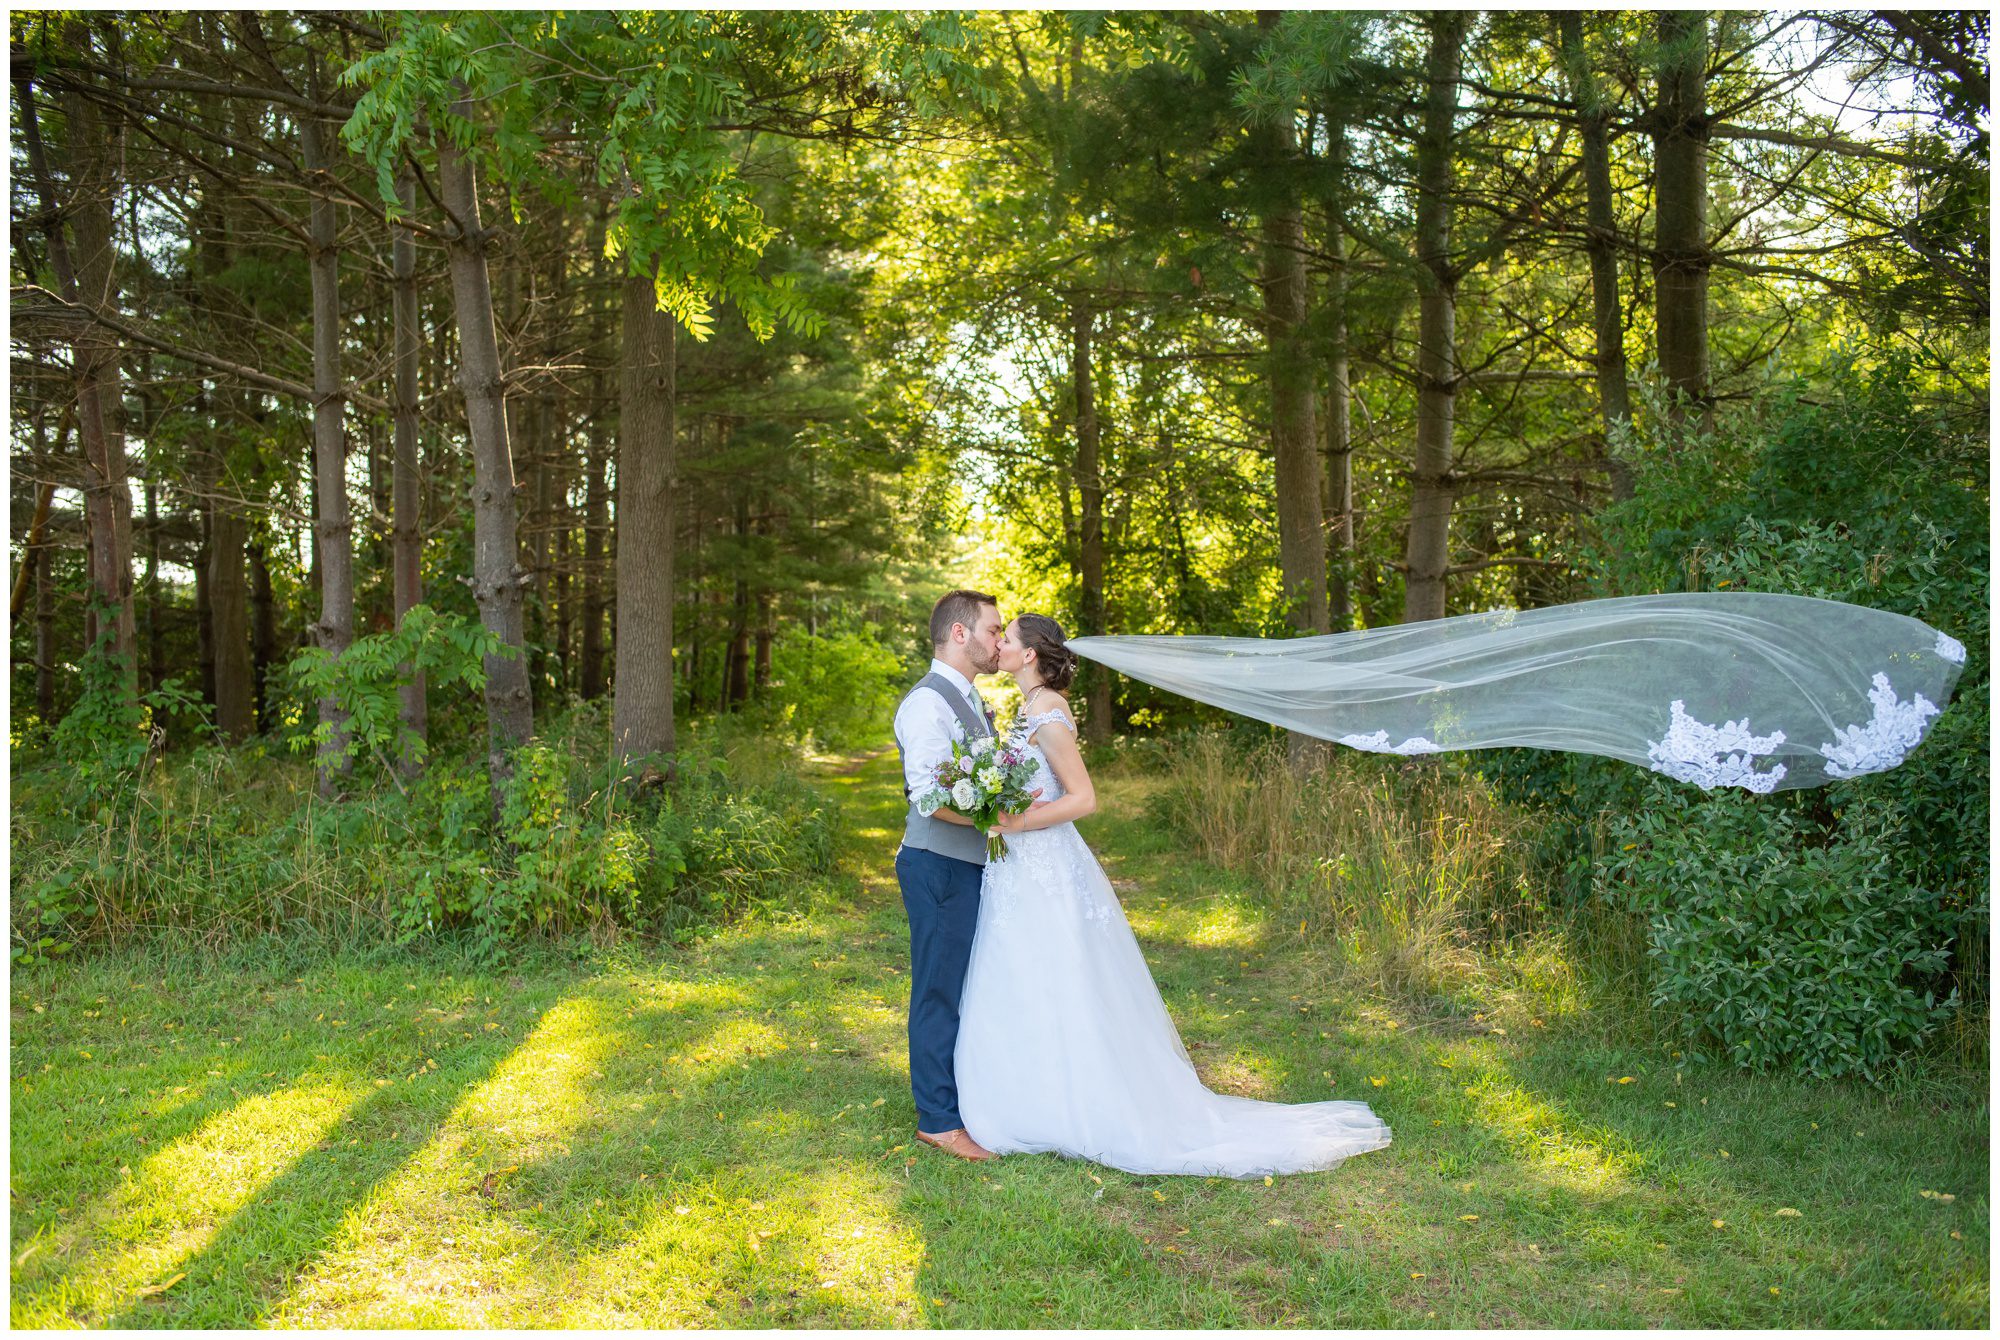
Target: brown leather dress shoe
<point x="958" y="1142"/>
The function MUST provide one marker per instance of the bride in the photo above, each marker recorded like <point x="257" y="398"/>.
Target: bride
<point x="1064" y="1045"/>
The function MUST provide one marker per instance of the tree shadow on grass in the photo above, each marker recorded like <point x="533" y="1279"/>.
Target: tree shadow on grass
<point x="264" y="1242"/>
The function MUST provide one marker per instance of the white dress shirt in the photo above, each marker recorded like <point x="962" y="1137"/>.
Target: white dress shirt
<point x="926" y="726"/>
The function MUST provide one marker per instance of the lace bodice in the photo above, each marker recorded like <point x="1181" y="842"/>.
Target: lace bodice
<point x="1023" y="734"/>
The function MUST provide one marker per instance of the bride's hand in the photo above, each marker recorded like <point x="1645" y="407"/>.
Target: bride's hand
<point x="1015" y="823"/>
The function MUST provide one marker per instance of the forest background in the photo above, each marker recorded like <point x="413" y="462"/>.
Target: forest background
<point x="440" y="443"/>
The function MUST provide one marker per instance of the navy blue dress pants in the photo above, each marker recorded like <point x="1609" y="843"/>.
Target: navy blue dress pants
<point x="941" y="895"/>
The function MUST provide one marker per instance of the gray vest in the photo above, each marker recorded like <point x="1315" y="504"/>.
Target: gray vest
<point x="923" y="832"/>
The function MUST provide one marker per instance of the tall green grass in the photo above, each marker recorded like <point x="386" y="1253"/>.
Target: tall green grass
<point x="1418" y="883"/>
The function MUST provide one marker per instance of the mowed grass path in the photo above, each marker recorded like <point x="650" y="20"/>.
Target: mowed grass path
<point x="721" y="1136"/>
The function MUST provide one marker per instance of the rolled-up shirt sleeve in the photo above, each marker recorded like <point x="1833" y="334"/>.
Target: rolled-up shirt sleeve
<point x="923" y="734"/>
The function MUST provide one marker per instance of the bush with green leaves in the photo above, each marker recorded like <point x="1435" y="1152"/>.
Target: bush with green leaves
<point x="225" y="843"/>
<point x="726" y="844"/>
<point x="833" y="690"/>
<point x="1785" y="945"/>
<point x="366" y="680"/>
<point x="1859" y="496"/>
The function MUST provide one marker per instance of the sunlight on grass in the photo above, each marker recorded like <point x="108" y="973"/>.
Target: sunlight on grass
<point x="537" y="1096"/>
<point x="1541" y="1133"/>
<point x="733" y="1043"/>
<point x="1219" y="924"/>
<point x="165" y="1212"/>
<point x="434" y="1243"/>
<point x="698" y="997"/>
<point x="428" y="1245"/>
<point x="804" y="1246"/>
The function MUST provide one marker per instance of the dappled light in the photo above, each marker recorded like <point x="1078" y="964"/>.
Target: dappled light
<point x="164" y="1211"/>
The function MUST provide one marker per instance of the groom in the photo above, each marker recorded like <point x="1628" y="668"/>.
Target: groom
<point x="943" y="856"/>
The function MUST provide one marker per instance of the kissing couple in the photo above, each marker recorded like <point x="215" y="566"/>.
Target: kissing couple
<point x="1035" y="1025"/>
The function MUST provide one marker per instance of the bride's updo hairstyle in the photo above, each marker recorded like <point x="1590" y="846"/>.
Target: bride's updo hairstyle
<point x="1054" y="661"/>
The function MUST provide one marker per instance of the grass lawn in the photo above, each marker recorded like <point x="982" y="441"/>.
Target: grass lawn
<point x="722" y="1136"/>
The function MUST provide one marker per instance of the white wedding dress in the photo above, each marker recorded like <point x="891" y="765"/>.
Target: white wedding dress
<point x="1064" y="1045"/>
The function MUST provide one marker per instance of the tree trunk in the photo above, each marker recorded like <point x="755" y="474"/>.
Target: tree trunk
<point x="31" y="548"/>
<point x="594" y="522"/>
<point x="766" y="631"/>
<point x="235" y="676"/>
<point x="736" y="689"/>
<point x="1612" y="397"/>
<point x="263" y="630"/>
<point x="697" y="624"/>
<point x="406" y="503"/>
<point x="232" y="674"/>
<point x="1294" y="437"/>
<point x="1090" y="492"/>
<point x="642" y="705"/>
<point x="497" y="577"/>
<point x="335" y="630"/>
<point x="156" y="645"/>
<point x="45" y="640"/>
<point x="88" y="276"/>
<point x="595" y="501"/>
<point x="560" y="601"/>
<point x="1429" y="549"/>
<point x="549" y="458"/>
<point x="760" y="671"/>
<point x="1680" y="251"/>
<point x="1337" y="504"/>
<point x="203" y="514"/>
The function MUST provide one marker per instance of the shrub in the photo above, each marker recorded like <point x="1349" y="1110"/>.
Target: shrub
<point x="1861" y="498"/>
<point x="725" y="845"/>
<point x="366" y="681"/>
<point x="233" y="843"/>
<point x="833" y="690"/>
<point x="1786" y="949"/>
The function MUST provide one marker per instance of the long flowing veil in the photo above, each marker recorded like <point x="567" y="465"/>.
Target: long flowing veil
<point x="1729" y="688"/>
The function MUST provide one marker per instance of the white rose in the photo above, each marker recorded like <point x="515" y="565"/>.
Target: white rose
<point x="963" y="796"/>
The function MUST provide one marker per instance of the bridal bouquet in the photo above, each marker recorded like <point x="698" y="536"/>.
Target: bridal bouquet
<point x="982" y="781"/>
